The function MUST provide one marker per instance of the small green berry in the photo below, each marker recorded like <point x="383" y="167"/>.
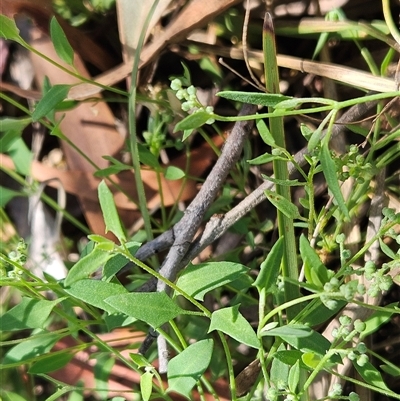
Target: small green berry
<point x="354" y="396"/>
<point x="176" y="84"/>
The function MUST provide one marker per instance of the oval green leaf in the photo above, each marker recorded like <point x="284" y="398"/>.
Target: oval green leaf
<point x="186" y="368"/>
<point x="199" y="279"/>
<point x="94" y="292"/>
<point x="50" y="100"/>
<point x="154" y="308"/>
<point x="261" y="99"/>
<point x="110" y="214"/>
<point x="87" y="265"/>
<point x="270" y="267"/>
<point x="231" y="322"/>
<point x="193" y="121"/>
<point x="60" y="42"/>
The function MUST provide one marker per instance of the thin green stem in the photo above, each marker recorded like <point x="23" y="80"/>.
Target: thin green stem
<point x="285" y="223"/>
<point x="389" y="21"/>
<point x="132" y="128"/>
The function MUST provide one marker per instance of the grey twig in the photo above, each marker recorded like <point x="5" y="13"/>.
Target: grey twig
<point x="187" y="227"/>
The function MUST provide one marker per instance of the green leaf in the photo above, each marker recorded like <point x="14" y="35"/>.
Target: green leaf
<point x="60" y="42"/>
<point x="294" y="377"/>
<point x="315" y="271"/>
<point x="87" y="265"/>
<point x="13" y="124"/>
<point x="94" y="292"/>
<point x="199" y="279"/>
<point x="290" y="357"/>
<point x="193" y="121"/>
<point x="147" y="158"/>
<point x="9" y="30"/>
<point x="21" y="156"/>
<point x="319" y="313"/>
<point x="30" y="349"/>
<point x="50" y="363"/>
<point x="154" y="308"/>
<point x="311" y="359"/>
<point x="117" y="262"/>
<point x="7" y="194"/>
<point x="261" y="99"/>
<point x="301" y="337"/>
<point x="114" y="169"/>
<point x="110" y="214"/>
<point x="371" y="375"/>
<point x="265" y="158"/>
<point x="102" y="370"/>
<point x="379" y="318"/>
<point x="146" y="385"/>
<point x="265" y="133"/>
<point x="186" y="368"/>
<point x="140" y="360"/>
<point x="10" y="396"/>
<point x="279" y="370"/>
<point x="391" y="369"/>
<point x="50" y="100"/>
<point x="231" y="322"/>
<point x="270" y="267"/>
<point x="306" y="131"/>
<point x="28" y="314"/>
<point x="173" y="173"/>
<point x="117" y="320"/>
<point x="283" y="205"/>
<point x="329" y="170"/>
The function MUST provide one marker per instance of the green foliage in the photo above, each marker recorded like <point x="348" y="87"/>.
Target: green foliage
<point x="213" y="298"/>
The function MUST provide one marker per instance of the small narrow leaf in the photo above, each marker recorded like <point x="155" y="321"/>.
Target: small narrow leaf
<point x="154" y="308"/>
<point x="87" y="265"/>
<point x="329" y="170"/>
<point x="110" y="213"/>
<point x="231" y="322"/>
<point x="9" y="30"/>
<point x="265" y="158"/>
<point x="315" y="271"/>
<point x="283" y="205"/>
<point x="193" y="121"/>
<point x="261" y="99"/>
<point x="265" y="133"/>
<point x="270" y="268"/>
<point x="60" y="42"/>
<point x="50" y="100"/>
<point x="186" y="368"/>
<point x="199" y="279"/>
<point x="294" y="377"/>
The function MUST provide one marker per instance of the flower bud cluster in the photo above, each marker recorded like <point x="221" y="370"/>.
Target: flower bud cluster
<point x="191" y="102"/>
<point x="380" y="280"/>
<point x="17" y="257"/>
<point x="356" y="166"/>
